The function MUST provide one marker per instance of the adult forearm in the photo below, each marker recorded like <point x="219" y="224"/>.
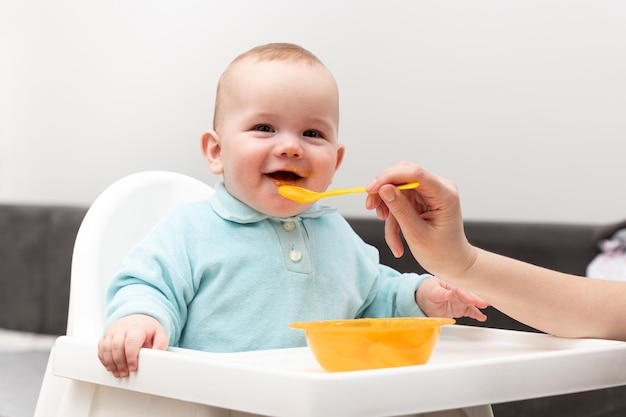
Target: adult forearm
<point x="557" y="303"/>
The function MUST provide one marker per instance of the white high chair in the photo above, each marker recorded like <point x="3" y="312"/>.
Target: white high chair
<point x="470" y="367"/>
<point x="172" y="382"/>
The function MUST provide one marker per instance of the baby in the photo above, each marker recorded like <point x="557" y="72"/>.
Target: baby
<point x="230" y="273"/>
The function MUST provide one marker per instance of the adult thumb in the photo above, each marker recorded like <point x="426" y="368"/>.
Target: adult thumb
<point x="397" y="203"/>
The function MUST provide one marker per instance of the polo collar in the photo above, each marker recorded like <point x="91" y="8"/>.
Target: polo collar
<point x="229" y="208"/>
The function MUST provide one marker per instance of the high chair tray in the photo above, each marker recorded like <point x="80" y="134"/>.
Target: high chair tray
<point x="470" y="366"/>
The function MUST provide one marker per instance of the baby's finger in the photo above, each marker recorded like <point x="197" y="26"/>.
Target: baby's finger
<point x="476" y="314"/>
<point x="118" y="355"/>
<point x="135" y="340"/>
<point x="161" y="341"/>
<point x="101" y="351"/>
<point x="106" y="356"/>
<point x="470" y="298"/>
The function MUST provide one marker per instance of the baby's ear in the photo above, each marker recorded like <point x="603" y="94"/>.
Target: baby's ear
<point x="212" y="151"/>
<point x="341" y="150"/>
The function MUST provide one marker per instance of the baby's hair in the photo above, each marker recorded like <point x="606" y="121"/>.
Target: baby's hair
<point x="268" y="52"/>
<point x="278" y="52"/>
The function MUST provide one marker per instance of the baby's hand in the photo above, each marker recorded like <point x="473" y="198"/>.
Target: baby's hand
<point x="437" y="298"/>
<point x="118" y="349"/>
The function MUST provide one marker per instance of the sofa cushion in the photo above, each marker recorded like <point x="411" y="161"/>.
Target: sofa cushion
<point x="35" y="263"/>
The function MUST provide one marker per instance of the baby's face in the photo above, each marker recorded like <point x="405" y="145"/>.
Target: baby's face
<point x="279" y="126"/>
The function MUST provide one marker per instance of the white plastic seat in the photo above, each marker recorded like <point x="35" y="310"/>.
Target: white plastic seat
<point x="115" y="222"/>
<point x="180" y="382"/>
<point x="118" y="219"/>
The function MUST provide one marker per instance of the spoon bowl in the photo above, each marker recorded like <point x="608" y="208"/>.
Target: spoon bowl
<point x="303" y="195"/>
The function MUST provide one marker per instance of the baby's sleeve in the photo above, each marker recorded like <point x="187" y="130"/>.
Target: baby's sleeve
<point x="395" y="294"/>
<point x="155" y="279"/>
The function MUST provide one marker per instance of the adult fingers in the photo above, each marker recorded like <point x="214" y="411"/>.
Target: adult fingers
<point x="393" y="237"/>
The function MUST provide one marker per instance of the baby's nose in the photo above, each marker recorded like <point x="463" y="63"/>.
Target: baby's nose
<point x="289" y="146"/>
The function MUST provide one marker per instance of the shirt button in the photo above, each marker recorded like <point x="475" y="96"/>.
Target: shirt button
<point x="289" y="226"/>
<point x="295" y="256"/>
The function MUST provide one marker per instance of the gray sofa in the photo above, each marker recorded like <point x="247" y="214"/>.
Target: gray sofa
<point x="35" y="255"/>
<point x="36" y="244"/>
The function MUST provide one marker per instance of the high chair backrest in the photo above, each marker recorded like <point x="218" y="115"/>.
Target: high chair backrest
<point x="115" y="222"/>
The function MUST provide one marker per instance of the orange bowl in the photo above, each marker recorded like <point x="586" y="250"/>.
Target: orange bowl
<point x="357" y="344"/>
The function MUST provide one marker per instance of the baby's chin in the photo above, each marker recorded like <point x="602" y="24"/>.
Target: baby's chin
<point x="283" y="209"/>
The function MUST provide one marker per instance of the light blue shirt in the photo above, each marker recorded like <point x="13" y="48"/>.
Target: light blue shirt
<point x="222" y="277"/>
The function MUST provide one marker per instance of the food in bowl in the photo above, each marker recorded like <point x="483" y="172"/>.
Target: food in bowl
<point x="370" y="343"/>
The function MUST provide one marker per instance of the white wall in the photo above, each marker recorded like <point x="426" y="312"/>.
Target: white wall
<point x="523" y="103"/>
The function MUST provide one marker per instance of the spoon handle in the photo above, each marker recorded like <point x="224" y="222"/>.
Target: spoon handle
<point x="409" y="186"/>
<point x="342" y="191"/>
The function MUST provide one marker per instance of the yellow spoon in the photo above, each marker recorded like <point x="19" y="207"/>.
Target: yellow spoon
<point x="302" y="195"/>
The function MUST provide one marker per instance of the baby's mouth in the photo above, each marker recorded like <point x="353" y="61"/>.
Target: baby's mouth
<point x="285" y="177"/>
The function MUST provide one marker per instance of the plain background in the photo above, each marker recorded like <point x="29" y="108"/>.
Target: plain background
<point x="522" y="103"/>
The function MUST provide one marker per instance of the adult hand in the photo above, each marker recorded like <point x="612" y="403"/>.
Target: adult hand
<point x="429" y="218"/>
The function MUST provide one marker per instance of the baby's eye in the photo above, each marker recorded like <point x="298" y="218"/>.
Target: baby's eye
<point x="312" y="134"/>
<point x="263" y="128"/>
